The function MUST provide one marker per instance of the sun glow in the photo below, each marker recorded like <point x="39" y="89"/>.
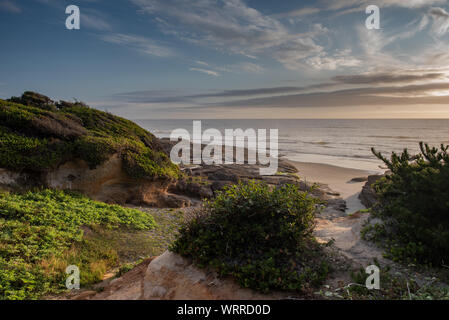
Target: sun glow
<point x="441" y="93"/>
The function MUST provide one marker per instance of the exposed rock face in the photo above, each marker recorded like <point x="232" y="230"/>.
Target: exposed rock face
<point x="172" y="277"/>
<point x="9" y="178"/>
<point x="368" y="196"/>
<point x="108" y="183"/>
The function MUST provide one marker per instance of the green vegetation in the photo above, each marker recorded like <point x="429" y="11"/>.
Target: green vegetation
<point x="43" y="232"/>
<point x="37" y="134"/>
<point x="414" y="207"/>
<point x="394" y="286"/>
<point x="261" y="236"/>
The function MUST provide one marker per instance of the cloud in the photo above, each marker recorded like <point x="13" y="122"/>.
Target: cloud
<point x="440" y="20"/>
<point x="201" y="63"/>
<point x="206" y="71"/>
<point x="141" y="44"/>
<point x="247" y="67"/>
<point x="412" y="4"/>
<point x="387" y="78"/>
<point x="152" y="96"/>
<point x="345" y="84"/>
<point x="9" y="6"/>
<point x="340" y="59"/>
<point x="93" y="20"/>
<point x="401" y="95"/>
<point x="298" y="13"/>
<point x="171" y="96"/>
<point x="232" y="26"/>
<point x="251" y="67"/>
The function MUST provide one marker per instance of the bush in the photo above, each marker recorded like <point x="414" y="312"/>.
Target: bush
<point x="259" y="235"/>
<point x="414" y="206"/>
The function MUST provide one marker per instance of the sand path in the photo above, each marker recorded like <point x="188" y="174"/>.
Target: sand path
<point x="343" y="227"/>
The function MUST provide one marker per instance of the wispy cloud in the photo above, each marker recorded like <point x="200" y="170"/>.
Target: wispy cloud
<point x="440" y="20"/>
<point x="340" y="59"/>
<point x="141" y="44"/>
<point x="366" y="96"/>
<point x="201" y="63"/>
<point x="299" y="13"/>
<point x="94" y="20"/>
<point x="378" y="78"/>
<point x="206" y="71"/>
<point x="412" y="4"/>
<point x="352" y="88"/>
<point x="9" y="6"/>
<point x="234" y="27"/>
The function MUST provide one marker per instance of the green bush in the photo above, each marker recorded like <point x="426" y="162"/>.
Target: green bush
<point x="259" y="235"/>
<point x="41" y="233"/>
<point x="414" y="206"/>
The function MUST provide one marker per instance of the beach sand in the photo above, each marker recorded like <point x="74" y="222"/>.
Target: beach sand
<point x="337" y="178"/>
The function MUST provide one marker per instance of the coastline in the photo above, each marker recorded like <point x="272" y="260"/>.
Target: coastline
<point x="339" y="179"/>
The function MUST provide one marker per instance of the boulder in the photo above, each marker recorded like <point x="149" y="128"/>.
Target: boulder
<point x="173" y="201"/>
<point x="172" y="277"/>
<point x="192" y="189"/>
<point x="368" y="196"/>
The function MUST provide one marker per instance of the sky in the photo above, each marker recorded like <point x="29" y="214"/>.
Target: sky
<point x="248" y="59"/>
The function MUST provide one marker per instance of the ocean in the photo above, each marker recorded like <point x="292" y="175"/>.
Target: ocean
<point x="344" y="143"/>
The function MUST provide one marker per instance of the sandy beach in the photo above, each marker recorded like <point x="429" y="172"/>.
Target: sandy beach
<point x="337" y="178"/>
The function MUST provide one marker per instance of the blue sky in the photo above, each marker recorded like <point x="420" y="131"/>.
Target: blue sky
<point x="232" y="59"/>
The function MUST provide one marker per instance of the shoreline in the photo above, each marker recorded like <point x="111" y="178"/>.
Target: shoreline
<point x="339" y="179"/>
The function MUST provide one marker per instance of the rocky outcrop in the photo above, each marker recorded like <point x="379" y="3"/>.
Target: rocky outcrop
<point x="368" y="196"/>
<point x="172" y="277"/>
<point x="107" y="182"/>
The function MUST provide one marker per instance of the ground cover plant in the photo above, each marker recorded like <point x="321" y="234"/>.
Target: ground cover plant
<point x="42" y="232"/>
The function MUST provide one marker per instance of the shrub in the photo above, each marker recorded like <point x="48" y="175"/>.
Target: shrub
<point x="259" y="235"/>
<point x="414" y="206"/>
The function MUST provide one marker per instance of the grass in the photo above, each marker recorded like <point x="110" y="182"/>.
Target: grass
<point x="43" y="232"/>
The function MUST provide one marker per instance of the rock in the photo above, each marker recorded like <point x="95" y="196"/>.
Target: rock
<point x="285" y="166"/>
<point x="86" y="295"/>
<point x="174" y="201"/>
<point x="172" y="277"/>
<point x="358" y="179"/>
<point x="220" y="185"/>
<point x="224" y="174"/>
<point x="368" y="196"/>
<point x="107" y="182"/>
<point x="192" y="189"/>
<point x="337" y="204"/>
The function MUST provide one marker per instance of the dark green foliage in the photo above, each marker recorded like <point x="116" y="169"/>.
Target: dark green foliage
<point x="414" y="206"/>
<point x="41" y="234"/>
<point x="34" y="99"/>
<point x="259" y="235"/>
<point x="42" y="135"/>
